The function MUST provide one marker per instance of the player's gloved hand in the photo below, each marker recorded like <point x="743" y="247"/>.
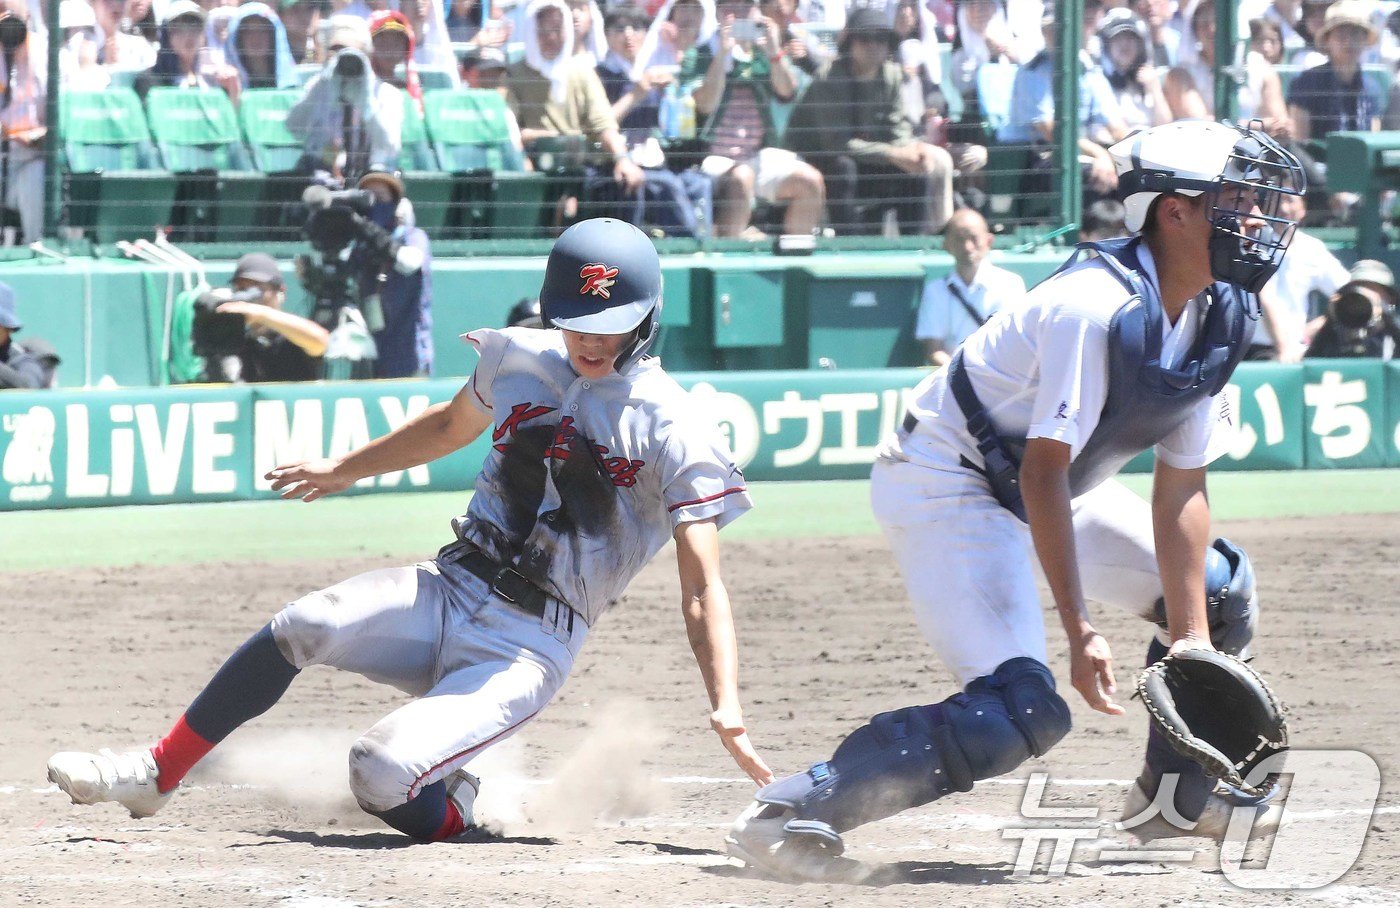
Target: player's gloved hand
<point x="729" y="725"/>
<point x="1091" y="672"/>
<point x="308" y="479"/>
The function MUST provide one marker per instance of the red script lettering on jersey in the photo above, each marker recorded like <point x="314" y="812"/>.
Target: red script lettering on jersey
<point x="519" y="413"/>
<point x="597" y="279"/>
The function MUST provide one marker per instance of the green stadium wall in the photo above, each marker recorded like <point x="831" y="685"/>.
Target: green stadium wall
<point x="161" y="445"/>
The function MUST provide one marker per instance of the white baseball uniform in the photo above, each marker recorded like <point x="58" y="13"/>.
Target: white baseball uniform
<point x="1041" y="371"/>
<point x="586" y="481"/>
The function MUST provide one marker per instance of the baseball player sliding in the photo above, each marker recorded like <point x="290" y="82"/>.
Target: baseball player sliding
<point x="1008" y="456"/>
<point x="597" y="459"/>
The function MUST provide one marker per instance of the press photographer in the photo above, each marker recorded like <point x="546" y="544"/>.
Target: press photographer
<point x="1361" y="318"/>
<point x="369" y="278"/>
<point x="242" y="335"/>
<point x="348" y="120"/>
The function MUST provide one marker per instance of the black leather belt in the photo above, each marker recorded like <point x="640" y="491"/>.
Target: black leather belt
<point x="505" y="581"/>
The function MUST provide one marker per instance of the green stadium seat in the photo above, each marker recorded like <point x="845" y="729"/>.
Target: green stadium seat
<point x="263" y="115"/>
<point x="431" y="191"/>
<point x="197" y="133"/>
<point x="470" y="132"/>
<point x="431" y="78"/>
<point x="305" y="71"/>
<point x="116" y="186"/>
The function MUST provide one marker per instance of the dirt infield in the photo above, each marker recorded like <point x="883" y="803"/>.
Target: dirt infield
<point x="618" y="794"/>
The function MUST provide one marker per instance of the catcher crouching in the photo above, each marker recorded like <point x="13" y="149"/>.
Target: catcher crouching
<point x="1005" y="464"/>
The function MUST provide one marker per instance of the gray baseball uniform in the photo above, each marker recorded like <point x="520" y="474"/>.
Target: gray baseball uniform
<point x="585" y="482"/>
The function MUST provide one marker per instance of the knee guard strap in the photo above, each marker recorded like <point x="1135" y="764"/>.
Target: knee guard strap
<point x="911" y="756"/>
<point x="1232" y="602"/>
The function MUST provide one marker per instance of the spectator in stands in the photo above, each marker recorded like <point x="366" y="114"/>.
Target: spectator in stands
<point x="276" y="345"/>
<point x="119" y="49"/>
<point x="851" y="125"/>
<point x="677" y="202"/>
<point x="957" y="305"/>
<point x="349" y="119"/>
<point x="1164" y="40"/>
<point x="918" y="54"/>
<point x="1032" y="121"/>
<point x="483" y="67"/>
<point x="19" y="366"/>
<point x="405" y="343"/>
<point x="1090" y="47"/>
<point x="257" y="48"/>
<point x="1124" y="86"/>
<point x="1266" y="40"/>
<point x="793" y="36"/>
<point x="302" y="21"/>
<point x="1103" y="220"/>
<point x="678" y="33"/>
<point x="1336" y="95"/>
<point x="984" y="36"/>
<point x="178" y="63"/>
<point x="1361" y="318"/>
<point x="464" y="25"/>
<point x="77" y="56"/>
<point x="25" y="128"/>
<point x="1309" y="273"/>
<point x="590" y="43"/>
<point x="139" y="18"/>
<point x="560" y="104"/>
<point x="1310" y="24"/>
<point x="1190" y="88"/>
<point x="433" y="49"/>
<point x="1279" y="19"/>
<point x="742" y="77"/>
<point x="391" y="46"/>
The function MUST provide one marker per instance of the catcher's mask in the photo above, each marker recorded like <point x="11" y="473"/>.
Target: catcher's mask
<point x="1244" y="175"/>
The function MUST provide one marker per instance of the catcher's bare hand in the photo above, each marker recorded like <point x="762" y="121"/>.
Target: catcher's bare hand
<point x="308" y="479"/>
<point x="1091" y="672"/>
<point x="730" y="728"/>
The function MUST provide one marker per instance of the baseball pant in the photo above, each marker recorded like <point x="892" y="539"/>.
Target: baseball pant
<point x="971" y="569"/>
<point x="480" y="667"/>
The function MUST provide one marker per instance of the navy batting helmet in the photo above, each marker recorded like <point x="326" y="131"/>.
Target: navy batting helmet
<point x="604" y="277"/>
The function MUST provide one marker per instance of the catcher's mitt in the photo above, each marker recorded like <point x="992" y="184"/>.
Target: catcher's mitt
<point x="1216" y="710"/>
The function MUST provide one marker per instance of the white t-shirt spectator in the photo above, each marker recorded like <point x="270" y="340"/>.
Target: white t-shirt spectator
<point x="944" y="317"/>
<point x="1307" y="268"/>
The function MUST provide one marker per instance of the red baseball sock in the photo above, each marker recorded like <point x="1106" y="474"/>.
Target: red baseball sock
<point x="177" y="753"/>
<point x="451" y="823"/>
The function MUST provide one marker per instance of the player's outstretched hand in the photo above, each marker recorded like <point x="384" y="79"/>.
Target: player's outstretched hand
<point x="735" y="736"/>
<point x="308" y="479"/>
<point x="1091" y="672"/>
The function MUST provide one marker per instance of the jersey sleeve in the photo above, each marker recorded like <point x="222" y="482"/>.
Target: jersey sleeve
<point x="1207" y="433"/>
<point x="699" y="478"/>
<point x="490" y="346"/>
<point x="1073" y="387"/>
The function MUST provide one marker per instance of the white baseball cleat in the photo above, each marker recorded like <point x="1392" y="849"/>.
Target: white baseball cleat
<point x="761" y="838"/>
<point x="462" y="789"/>
<point x="1213" y="822"/>
<point x="127" y="778"/>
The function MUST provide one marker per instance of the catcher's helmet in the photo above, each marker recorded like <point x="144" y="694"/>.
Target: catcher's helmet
<point x="604" y="277"/>
<point x="1244" y="174"/>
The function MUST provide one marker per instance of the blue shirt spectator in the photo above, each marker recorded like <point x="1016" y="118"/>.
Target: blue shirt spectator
<point x="1033" y="102"/>
<point x="1334" y="102"/>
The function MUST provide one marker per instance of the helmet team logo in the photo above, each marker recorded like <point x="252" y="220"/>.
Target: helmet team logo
<point x="597" y="279"/>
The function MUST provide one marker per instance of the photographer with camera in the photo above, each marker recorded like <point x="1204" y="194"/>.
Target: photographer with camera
<point x="366" y="274"/>
<point x="1361" y="319"/>
<point x="243" y="335"/>
<point x="349" y="119"/>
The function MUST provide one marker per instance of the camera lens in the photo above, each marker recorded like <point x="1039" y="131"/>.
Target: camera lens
<point x="349" y="66"/>
<point x="1353" y="310"/>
